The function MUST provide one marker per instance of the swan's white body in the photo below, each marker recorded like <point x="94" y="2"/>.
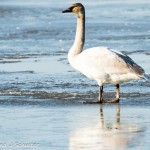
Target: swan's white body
<point x="102" y="64"/>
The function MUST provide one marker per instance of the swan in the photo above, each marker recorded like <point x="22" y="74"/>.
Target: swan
<point x="103" y="64"/>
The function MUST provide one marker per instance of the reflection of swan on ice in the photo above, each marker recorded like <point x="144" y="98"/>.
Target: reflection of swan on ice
<point x="116" y="136"/>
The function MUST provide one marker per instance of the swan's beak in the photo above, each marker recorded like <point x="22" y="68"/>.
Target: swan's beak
<point x="69" y="10"/>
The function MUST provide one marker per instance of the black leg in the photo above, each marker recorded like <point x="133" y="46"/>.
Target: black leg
<point x="117" y="92"/>
<point x="101" y="94"/>
<point x="117" y="96"/>
<point x="100" y="99"/>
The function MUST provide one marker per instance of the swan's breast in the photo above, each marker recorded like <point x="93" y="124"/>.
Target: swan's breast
<point x="88" y="65"/>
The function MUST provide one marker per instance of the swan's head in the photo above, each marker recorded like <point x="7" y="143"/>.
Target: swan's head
<point x="76" y="8"/>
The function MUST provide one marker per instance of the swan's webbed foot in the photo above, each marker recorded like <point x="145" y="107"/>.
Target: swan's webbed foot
<point x="112" y="101"/>
<point x="102" y="101"/>
<point x="93" y="102"/>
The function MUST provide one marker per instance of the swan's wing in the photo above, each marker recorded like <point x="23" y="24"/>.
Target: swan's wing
<point x="127" y="62"/>
<point x="110" y="61"/>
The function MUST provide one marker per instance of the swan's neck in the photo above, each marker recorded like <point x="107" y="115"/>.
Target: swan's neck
<point x="80" y="36"/>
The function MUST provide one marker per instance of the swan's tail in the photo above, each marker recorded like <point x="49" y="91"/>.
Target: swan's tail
<point x="145" y="77"/>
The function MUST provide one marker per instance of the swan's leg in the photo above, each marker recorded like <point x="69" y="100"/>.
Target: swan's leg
<point x="100" y="98"/>
<point x="117" y="92"/>
<point x="100" y="94"/>
<point x="117" y="96"/>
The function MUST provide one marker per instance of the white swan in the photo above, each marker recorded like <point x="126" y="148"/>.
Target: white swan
<point x="102" y="64"/>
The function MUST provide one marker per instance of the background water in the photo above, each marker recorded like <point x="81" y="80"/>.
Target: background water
<point x="41" y="95"/>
